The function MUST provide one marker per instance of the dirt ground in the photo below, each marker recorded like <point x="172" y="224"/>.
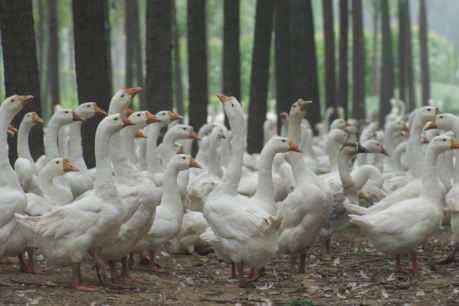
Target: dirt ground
<point x="356" y="275"/>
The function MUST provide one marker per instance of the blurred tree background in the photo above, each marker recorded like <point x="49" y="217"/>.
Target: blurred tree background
<point x="442" y="42"/>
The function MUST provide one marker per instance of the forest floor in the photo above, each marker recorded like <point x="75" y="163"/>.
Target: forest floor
<point x="356" y="275"/>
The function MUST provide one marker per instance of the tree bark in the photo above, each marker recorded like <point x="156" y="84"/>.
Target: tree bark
<point x="158" y="80"/>
<point x="259" y="78"/>
<point x="313" y="114"/>
<point x="329" y="39"/>
<point x="134" y="73"/>
<point x="401" y="49"/>
<point x="231" y="56"/>
<point x="106" y="14"/>
<point x="92" y="65"/>
<point x="41" y="58"/>
<point x="358" y="61"/>
<point x="178" y="89"/>
<point x="53" y="55"/>
<point x="343" y="52"/>
<point x="387" y="67"/>
<point x="282" y="58"/>
<point x="409" y="60"/>
<point x="374" y="55"/>
<point x="21" y="67"/>
<point x="197" y="65"/>
<point x="424" y="53"/>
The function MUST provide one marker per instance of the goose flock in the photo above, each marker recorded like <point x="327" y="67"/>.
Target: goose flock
<point x="398" y="185"/>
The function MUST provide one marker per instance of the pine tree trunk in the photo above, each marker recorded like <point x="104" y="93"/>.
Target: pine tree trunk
<point x="105" y="13"/>
<point x="197" y="65"/>
<point x="358" y="61"/>
<point x="21" y="67"/>
<point x="314" y="114"/>
<point x="178" y="89"/>
<point x="282" y="58"/>
<point x="374" y="55"/>
<point x="92" y="65"/>
<point x="158" y="80"/>
<point x="424" y="53"/>
<point x="387" y="67"/>
<point x="41" y="57"/>
<point x="53" y="54"/>
<point x="343" y="50"/>
<point x="259" y="78"/>
<point x="134" y="73"/>
<point x="410" y="81"/>
<point x="401" y="49"/>
<point x="329" y="39"/>
<point x="231" y="56"/>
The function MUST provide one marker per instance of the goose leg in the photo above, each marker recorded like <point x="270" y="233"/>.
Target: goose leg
<point x="398" y="266"/>
<point x="144" y="259"/>
<point x="414" y="263"/>
<point x="242" y="282"/>
<point x="205" y="258"/>
<point x="233" y="270"/>
<point x="5" y="259"/>
<point x="30" y="264"/>
<point x="302" y="269"/>
<point x="151" y="264"/>
<point x="292" y="264"/>
<point x="114" y="272"/>
<point x="76" y="279"/>
<point x="22" y="265"/>
<point x="4" y="284"/>
<point x="125" y="271"/>
<point x="450" y="258"/>
<point x="326" y="248"/>
<point x="100" y="268"/>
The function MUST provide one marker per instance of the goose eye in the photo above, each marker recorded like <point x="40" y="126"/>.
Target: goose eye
<point x="12" y="100"/>
<point x="184" y="128"/>
<point x="28" y="115"/>
<point x="428" y="109"/>
<point x="294" y="106"/>
<point x="283" y="140"/>
<point x="441" y="117"/>
<point x="444" y="139"/>
<point x="138" y="115"/>
<point x="122" y="96"/>
<point x="116" y="119"/>
<point x="183" y="157"/>
<point x="66" y="112"/>
<point x="164" y="114"/>
<point x="57" y="162"/>
<point x="87" y="105"/>
<point x="232" y="105"/>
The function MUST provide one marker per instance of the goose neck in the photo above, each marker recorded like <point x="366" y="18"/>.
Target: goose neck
<point x="414" y="148"/>
<point x="7" y="174"/>
<point x="51" y="146"/>
<point x="105" y="184"/>
<point x="214" y="164"/>
<point x="345" y="175"/>
<point x="168" y="150"/>
<point x="171" y="197"/>
<point x="265" y="190"/>
<point x="300" y="170"/>
<point x="430" y="188"/>
<point x="76" y="149"/>
<point x="23" y="141"/>
<point x="128" y="137"/>
<point x="153" y="164"/>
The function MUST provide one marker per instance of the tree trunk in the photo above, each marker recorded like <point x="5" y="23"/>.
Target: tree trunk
<point x="374" y="55"/>
<point x="313" y="114"/>
<point x="401" y="49"/>
<point x="21" y="67"/>
<point x="92" y="65"/>
<point x="134" y="73"/>
<point x="410" y="81"/>
<point x="358" y="61"/>
<point x="158" y="80"/>
<point x="259" y="78"/>
<point x="282" y="58"/>
<point x="231" y="56"/>
<point x="343" y="45"/>
<point x="424" y="53"/>
<point x="53" y="55"/>
<point x="178" y="89"/>
<point x="329" y="39"/>
<point x="41" y="57"/>
<point x="197" y="65"/>
<point x="106" y="14"/>
<point x="387" y="67"/>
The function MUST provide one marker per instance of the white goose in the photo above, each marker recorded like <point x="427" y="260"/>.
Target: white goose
<point x="65" y="234"/>
<point x="247" y="231"/>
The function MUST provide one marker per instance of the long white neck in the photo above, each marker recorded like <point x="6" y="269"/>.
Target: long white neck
<point x="230" y="181"/>
<point x="76" y="149"/>
<point x="153" y="164"/>
<point x="455" y="128"/>
<point x="23" y="141"/>
<point x="51" y="146"/>
<point x="56" y="193"/>
<point x="389" y="140"/>
<point x="214" y="164"/>
<point x="430" y="187"/>
<point x="265" y="191"/>
<point x="128" y="137"/>
<point x="171" y="197"/>
<point x="414" y="149"/>
<point x="122" y="166"/>
<point x="168" y="150"/>
<point x="349" y="187"/>
<point x="333" y="152"/>
<point x="398" y="154"/>
<point x="442" y="172"/>
<point x="105" y="184"/>
<point x="366" y="174"/>
<point x="362" y="159"/>
<point x="8" y="176"/>
<point x="225" y="149"/>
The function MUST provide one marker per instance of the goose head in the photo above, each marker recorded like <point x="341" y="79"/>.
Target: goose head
<point x="337" y="136"/>
<point x="178" y="148"/>
<point x="140" y="134"/>
<point x="339" y="124"/>
<point x="31" y="119"/>
<point x="353" y="148"/>
<point x="211" y="185"/>
<point x="442" y="143"/>
<point x="143" y="118"/>
<point x="122" y="98"/>
<point x="13" y="104"/>
<point x="65" y="116"/>
<point x="282" y="145"/>
<point x="375" y="147"/>
<point x="58" y="166"/>
<point x="426" y="113"/>
<point x="299" y="108"/>
<point x="166" y="117"/>
<point x="231" y="106"/>
<point x="219" y="132"/>
<point x="183" y="162"/>
<point x="182" y="132"/>
<point x="114" y="123"/>
<point x="88" y="110"/>
<point x="443" y="121"/>
<point x="396" y="126"/>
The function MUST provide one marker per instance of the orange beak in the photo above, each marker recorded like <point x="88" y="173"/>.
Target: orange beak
<point x="304" y="105"/>
<point x="9" y="132"/>
<point x="174" y="116"/>
<point x="293" y="147"/>
<point x="283" y="115"/>
<point x="432" y="125"/>
<point x="181" y="151"/>
<point x="193" y="135"/>
<point x="98" y="111"/>
<point x="126" y="121"/>
<point x="437" y="111"/>
<point x="223" y="98"/>
<point x="76" y="117"/>
<point x="151" y="118"/>
<point x="36" y="119"/>
<point x="133" y="91"/>
<point x="68" y="167"/>
<point x="454" y="144"/>
<point x="405" y="128"/>
<point x="12" y="128"/>
<point x="194" y="164"/>
<point x="363" y="196"/>
<point x="129" y="111"/>
<point x="425" y="140"/>
<point x="140" y="134"/>
<point x="25" y="99"/>
<point x="383" y="151"/>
